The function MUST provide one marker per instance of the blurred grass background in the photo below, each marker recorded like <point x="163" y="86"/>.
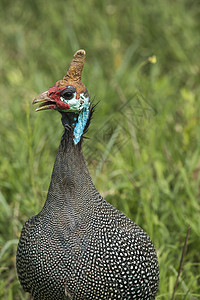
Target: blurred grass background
<point x="143" y="151"/>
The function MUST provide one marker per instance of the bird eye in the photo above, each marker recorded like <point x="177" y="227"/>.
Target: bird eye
<point x="68" y="93"/>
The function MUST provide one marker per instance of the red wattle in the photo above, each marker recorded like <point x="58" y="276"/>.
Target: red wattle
<point x="62" y="105"/>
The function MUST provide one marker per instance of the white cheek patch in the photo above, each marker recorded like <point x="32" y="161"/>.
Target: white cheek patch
<point x="84" y="101"/>
<point x="76" y="105"/>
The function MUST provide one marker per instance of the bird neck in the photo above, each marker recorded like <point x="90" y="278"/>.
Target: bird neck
<point x="77" y="122"/>
<point x="71" y="184"/>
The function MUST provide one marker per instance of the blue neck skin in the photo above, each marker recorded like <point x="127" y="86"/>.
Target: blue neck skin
<point x="80" y="125"/>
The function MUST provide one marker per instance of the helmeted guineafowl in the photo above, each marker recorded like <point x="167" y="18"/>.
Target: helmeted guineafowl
<point x="79" y="246"/>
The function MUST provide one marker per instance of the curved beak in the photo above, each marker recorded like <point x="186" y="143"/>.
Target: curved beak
<point x="45" y="102"/>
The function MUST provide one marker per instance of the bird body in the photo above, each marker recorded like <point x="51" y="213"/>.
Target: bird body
<point x="79" y="246"/>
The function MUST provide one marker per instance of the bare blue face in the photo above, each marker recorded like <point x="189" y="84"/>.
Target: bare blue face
<point x="80" y="107"/>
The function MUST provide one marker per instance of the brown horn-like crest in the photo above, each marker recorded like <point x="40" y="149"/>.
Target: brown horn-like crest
<point x="76" y="66"/>
<point x="73" y="76"/>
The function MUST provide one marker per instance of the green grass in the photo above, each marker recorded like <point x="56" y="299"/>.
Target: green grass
<point x="144" y="146"/>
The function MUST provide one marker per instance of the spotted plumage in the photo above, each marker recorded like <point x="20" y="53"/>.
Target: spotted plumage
<point x="79" y="246"/>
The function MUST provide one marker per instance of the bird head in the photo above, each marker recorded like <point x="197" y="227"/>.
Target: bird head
<point x="68" y="94"/>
